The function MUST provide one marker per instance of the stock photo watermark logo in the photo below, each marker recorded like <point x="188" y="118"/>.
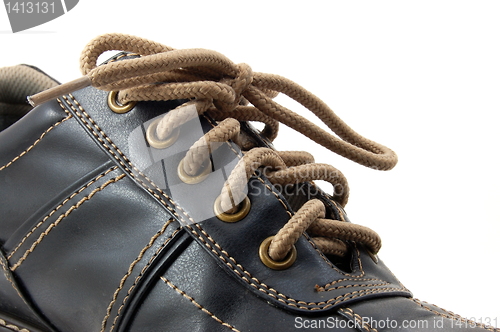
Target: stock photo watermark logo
<point x="25" y="15"/>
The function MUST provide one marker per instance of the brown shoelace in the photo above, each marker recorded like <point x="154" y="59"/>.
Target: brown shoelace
<point x="231" y="92"/>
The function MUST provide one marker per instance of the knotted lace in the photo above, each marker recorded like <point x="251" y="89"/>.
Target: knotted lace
<point x="231" y="93"/>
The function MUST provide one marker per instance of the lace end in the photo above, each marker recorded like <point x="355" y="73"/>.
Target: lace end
<point x="59" y="90"/>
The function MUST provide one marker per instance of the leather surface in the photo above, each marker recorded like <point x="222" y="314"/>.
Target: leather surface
<point x="403" y="314"/>
<point x="268" y="214"/>
<point x="100" y="234"/>
<point x="224" y="308"/>
<point x="17" y="304"/>
<point x="47" y="172"/>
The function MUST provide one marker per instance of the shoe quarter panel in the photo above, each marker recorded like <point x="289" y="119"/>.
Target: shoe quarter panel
<point x="42" y="158"/>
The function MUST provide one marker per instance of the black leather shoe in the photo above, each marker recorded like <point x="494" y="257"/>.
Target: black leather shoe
<point x="140" y="198"/>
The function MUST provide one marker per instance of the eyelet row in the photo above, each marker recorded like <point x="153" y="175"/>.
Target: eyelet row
<point x="244" y="206"/>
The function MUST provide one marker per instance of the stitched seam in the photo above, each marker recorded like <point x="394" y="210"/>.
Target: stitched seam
<point x="321" y="254"/>
<point x="69" y="116"/>
<point x="290" y="213"/>
<point x="275" y="194"/>
<point x="61" y="217"/>
<point x="129" y="272"/>
<point x="347" y="296"/>
<point x="354" y="295"/>
<point x="451" y="315"/>
<point x="348" y="279"/>
<point x="272" y="190"/>
<point x="199" y="306"/>
<point x="265" y="289"/>
<point x="359" y="263"/>
<point x="399" y="282"/>
<point x="139" y="277"/>
<point x="321" y="289"/>
<point x="358" y="318"/>
<point x="57" y="208"/>
<point x="12" y="327"/>
<point x="8" y="276"/>
<point x="125" y="167"/>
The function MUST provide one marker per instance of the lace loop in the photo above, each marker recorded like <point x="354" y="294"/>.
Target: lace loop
<point x="117" y="41"/>
<point x="206" y="73"/>
<point x="311" y="172"/>
<point x="293" y="229"/>
<point x="230" y="92"/>
<point x="233" y="191"/>
<point x="201" y="150"/>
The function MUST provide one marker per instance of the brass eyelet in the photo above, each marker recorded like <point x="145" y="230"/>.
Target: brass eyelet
<point x="243" y="209"/>
<point x="157" y="143"/>
<point x="190" y="179"/>
<point x="117" y="108"/>
<point x="271" y="263"/>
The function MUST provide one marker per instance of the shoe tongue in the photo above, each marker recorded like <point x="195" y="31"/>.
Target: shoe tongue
<point x="16" y="84"/>
<point x="251" y="137"/>
<point x="19" y="82"/>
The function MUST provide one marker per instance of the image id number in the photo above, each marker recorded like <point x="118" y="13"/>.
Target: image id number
<point x="30" y="7"/>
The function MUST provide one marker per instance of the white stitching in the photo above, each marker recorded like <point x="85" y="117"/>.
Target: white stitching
<point x="69" y="116"/>
<point x="451" y="315"/>
<point x="199" y="306"/>
<point x="12" y="327"/>
<point x="134" y="263"/>
<point x="223" y="254"/>
<point x="61" y="217"/>
<point x="358" y="319"/>
<point x="57" y="208"/>
<point x="8" y="276"/>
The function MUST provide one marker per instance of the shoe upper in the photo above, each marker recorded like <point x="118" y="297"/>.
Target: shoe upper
<point x="101" y="231"/>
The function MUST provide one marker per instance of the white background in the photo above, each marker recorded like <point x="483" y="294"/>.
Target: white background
<point x="422" y="77"/>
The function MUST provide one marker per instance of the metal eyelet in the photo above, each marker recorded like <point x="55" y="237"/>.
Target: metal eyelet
<point x="157" y="143"/>
<point x="290" y="258"/>
<point x="193" y="179"/>
<point x="117" y="108"/>
<point x="243" y="209"/>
